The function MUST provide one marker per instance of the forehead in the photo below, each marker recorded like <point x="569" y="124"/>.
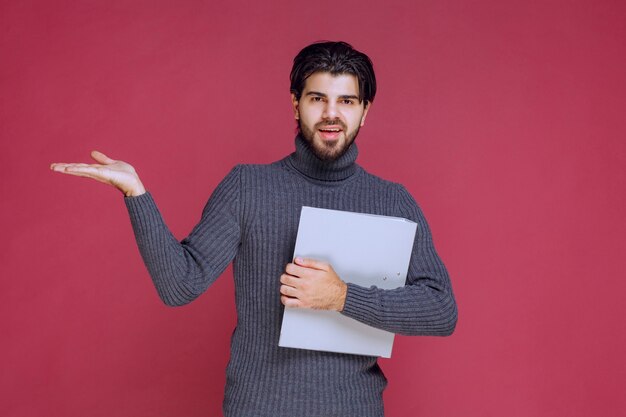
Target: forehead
<point x="329" y="84"/>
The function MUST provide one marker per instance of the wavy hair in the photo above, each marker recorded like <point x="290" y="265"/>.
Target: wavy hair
<point x="336" y="58"/>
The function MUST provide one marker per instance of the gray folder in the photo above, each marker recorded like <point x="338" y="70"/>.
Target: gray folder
<point x="365" y="249"/>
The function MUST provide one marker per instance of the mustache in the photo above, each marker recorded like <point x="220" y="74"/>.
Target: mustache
<point x="335" y="122"/>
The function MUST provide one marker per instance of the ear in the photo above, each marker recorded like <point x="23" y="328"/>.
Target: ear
<point x="365" y="110"/>
<point x="295" y="103"/>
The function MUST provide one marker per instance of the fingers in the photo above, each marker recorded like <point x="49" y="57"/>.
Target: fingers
<point x="289" y="280"/>
<point x="305" y="267"/>
<point x="296" y="281"/>
<point x="312" y="263"/>
<point x="59" y="166"/>
<point x="289" y="292"/>
<point x="296" y="270"/>
<point x="118" y="174"/>
<point x="290" y="302"/>
<point x="75" y="166"/>
<point x="102" y="158"/>
<point x="290" y="285"/>
<point x="98" y="156"/>
<point x="75" y="169"/>
<point x="82" y="170"/>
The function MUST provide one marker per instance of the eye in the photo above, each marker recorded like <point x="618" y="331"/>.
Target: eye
<point x="347" y="101"/>
<point x="316" y="98"/>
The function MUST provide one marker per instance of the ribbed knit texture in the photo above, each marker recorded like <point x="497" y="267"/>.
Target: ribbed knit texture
<point x="252" y="218"/>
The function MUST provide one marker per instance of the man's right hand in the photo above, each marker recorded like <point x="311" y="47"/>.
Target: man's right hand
<point x="119" y="174"/>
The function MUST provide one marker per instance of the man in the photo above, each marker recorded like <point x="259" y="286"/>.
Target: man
<point x="252" y="219"/>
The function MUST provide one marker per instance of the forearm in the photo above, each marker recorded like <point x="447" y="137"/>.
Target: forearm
<point x="425" y="305"/>
<point x="410" y="310"/>
<point x="174" y="270"/>
<point x="181" y="271"/>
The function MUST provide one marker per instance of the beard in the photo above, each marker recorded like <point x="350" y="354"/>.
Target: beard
<point x="327" y="150"/>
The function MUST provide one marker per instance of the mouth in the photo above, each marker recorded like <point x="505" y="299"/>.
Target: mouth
<point x="330" y="132"/>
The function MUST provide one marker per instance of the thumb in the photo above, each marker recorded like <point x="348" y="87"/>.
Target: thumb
<point x="311" y="263"/>
<point x="101" y="158"/>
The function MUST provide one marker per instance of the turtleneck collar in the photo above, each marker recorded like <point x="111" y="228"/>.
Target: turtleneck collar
<point x="305" y="161"/>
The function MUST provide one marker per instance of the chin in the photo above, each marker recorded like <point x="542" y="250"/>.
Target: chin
<point x="330" y="150"/>
<point x="326" y="150"/>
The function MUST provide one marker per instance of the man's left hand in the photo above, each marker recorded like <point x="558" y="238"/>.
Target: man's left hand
<point x="308" y="283"/>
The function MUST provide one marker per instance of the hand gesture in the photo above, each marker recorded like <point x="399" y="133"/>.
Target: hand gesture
<point x="119" y="174"/>
<point x="312" y="284"/>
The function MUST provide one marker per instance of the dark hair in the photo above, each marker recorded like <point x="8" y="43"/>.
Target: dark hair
<point x="336" y="58"/>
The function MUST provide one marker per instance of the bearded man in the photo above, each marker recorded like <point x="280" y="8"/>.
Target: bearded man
<point x="251" y="219"/>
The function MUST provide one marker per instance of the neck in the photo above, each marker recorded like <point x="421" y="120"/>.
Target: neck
<point x="308" y="164"/>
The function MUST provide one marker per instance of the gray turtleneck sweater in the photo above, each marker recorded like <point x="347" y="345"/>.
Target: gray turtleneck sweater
<point x="252" y="219"/>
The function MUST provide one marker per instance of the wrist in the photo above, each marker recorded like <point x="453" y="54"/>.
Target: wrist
<point x="343" y="292"/>
<point x="135" y="191"/>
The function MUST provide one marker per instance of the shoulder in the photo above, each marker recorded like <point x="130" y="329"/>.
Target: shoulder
<point x="403" y="203"/>
<point x="256" y="179"/>
<point x="260" y="168"/>
<point x="258" y="171"/>
<point x="395" y="190"/>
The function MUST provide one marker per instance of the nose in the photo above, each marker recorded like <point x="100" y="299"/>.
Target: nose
<point x="330" y="110"/>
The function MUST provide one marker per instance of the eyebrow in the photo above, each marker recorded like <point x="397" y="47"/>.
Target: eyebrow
<point x="317" y="93"/>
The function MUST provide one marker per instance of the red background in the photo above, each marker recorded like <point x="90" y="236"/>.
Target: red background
<point x="505" y="119"/>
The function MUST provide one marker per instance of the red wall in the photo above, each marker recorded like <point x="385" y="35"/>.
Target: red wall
<point x="505" y="119"/>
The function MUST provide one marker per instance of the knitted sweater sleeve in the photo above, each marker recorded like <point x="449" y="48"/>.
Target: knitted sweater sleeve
<point x="425" y="305"/>
<point x="181" y="271"/>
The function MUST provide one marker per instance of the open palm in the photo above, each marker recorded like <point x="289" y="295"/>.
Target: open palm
<point x="119" y="174"/>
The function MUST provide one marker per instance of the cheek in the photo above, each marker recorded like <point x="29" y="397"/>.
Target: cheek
<point x="355" y="120"/>
<point x="309" y="116"/>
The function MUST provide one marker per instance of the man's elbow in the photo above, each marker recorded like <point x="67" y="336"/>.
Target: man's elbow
<point x="176" y="300"/>
<point x="174" y="303"/>
<point x="450" y="324"/>
<point x="442" y="324"/>
<point x="443" y="315"/>
<point x="450" y="318"/>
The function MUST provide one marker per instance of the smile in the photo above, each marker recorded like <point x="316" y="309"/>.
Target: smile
<point x="330" y="133"/>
